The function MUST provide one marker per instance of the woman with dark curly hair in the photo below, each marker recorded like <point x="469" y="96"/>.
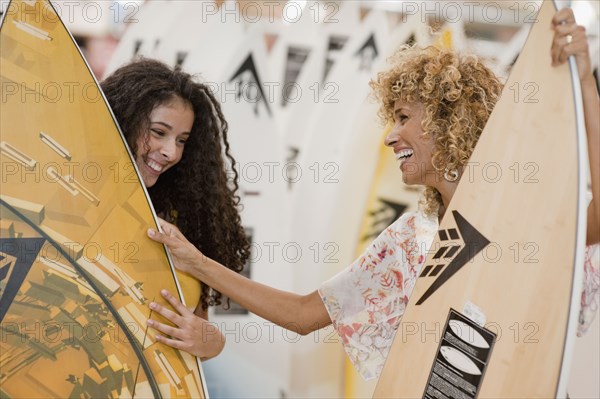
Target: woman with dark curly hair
<point x="178" y="136"/>
<point x="438" y="104"/>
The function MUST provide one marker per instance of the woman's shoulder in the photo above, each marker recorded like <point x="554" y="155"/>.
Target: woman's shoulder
<point x="412" y="220"/>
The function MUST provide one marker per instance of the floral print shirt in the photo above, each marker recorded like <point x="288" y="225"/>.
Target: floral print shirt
<point x="366" y="300"/>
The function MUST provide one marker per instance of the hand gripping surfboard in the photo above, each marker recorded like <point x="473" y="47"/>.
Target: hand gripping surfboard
<point x="494" y="310"/>
<point x="76" y="269"/>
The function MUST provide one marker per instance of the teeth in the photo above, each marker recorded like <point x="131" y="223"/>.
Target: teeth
<point x="404" y="154"/>
<point x="155" y="166"/>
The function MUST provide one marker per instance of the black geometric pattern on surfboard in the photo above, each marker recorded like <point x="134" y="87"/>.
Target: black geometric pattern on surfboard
<point x="246" y="78"/>
<point x="335" y="45"/>
<point x="367" y="53"/>
<point x="460" y="245"/>
<point x="16" y="257"/>
<point x="383" y="216"/>
<point x="296" y="58"/>
<point x="290" y="169"/>
<point x="447" y="251"/>
<point x="180" y="58"/>
<point x="137" y="47"/>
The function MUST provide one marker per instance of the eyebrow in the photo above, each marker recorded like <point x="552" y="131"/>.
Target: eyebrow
<point x="162" y="123"/>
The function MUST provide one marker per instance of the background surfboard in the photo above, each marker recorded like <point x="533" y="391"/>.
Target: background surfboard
<point x="198" y="20"/>
<point x="493" y="313"/>
<point x="145" y="31"/>
<point x="76" y="272"/>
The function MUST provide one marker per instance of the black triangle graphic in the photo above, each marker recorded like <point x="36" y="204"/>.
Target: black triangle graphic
<point x="289" y="169"/>
<point x="369" y="44"/>
<point x="293" y="154"/>
<point x="180" y="59"/>
<point x="367" y="53"/>
<point x="25" y="250"/>
<point x="248" y="65"/>
<point x="137" y="46"/>
<point x="474" y="243"/>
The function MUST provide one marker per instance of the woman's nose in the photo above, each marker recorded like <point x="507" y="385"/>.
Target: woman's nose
<point x="168" y="150"/>
<point x="392" y="137"/>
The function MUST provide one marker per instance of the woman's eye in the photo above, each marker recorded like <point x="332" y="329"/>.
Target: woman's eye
<point x="157" y="132"/>
<point x="401" y="118"/>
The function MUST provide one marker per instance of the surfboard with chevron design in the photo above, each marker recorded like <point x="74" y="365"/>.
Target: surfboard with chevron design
<point x="494" y="311"/>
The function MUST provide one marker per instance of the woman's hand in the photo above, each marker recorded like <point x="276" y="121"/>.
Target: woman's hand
<point x="190" y="332"/>
<point x="186" y="257"/>
<point x="570" y="39"/>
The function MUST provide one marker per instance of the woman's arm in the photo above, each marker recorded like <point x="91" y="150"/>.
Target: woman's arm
<point x="299" y="313"/>
<point x="571" y="39"/>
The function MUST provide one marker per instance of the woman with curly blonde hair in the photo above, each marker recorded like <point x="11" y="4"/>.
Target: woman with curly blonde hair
<point x="451" y="98"/>
<point x="438" y="103"/>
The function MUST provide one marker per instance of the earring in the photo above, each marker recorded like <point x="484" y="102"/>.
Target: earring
<point x="451" y="175"/>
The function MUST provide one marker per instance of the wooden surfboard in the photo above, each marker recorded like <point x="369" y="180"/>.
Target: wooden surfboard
<point x="76" y="269"/>
<point x="494" y="311"/>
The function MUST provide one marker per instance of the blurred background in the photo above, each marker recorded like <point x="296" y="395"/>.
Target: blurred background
<point x="316" y="183"/>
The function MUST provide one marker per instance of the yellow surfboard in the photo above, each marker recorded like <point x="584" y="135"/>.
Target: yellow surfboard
<point x="494" y="311"/>
<point x="76" y="269"/>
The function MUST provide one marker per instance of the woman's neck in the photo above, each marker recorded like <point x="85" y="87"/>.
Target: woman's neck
<point x="446" y="190"/>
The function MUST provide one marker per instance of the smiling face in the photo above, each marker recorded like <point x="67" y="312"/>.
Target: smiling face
<point x="413" y="148"/>
<point x="162" y="146"/>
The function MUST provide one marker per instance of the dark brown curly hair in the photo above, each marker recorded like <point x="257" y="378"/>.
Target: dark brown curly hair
<point x="458" y="94"/>
<point x="195" y="193"/>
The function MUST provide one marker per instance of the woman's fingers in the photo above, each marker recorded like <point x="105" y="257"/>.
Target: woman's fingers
<point x="176" y="303"/>
<point x="190" y="332"/>
<point x="174" y="343"/>
<point x="563" y="37"/>
<point x="570" y="39"/>
<point x="169" y="229"/>
<point x="164" y="328"/>
<point x="563" y="17"/>
<point x="163" y="238"/>
<point x="168" y="314"/>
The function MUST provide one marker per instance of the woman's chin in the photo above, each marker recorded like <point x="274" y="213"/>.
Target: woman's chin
<point x="149" y="181"/>
<point x="409" y="179"/>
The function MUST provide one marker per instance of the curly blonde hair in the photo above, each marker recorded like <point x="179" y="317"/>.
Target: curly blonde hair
<point x="458" y="94"/>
